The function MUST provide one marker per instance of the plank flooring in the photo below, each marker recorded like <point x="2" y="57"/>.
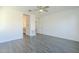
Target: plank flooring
<point x="40" y="44"/>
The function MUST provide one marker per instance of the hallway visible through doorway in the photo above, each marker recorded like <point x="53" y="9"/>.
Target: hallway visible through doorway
<point x="26" y="24"/>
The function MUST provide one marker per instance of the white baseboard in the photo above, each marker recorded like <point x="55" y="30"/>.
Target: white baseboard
<point x="59" y="37"/>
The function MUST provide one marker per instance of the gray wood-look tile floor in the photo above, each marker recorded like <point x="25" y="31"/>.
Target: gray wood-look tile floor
<point x="40" y="44"/>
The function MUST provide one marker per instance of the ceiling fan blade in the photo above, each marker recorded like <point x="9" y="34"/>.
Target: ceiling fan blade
<point x="46" y="7"/>
<point x="46" y="10"/>
<point x="42" y="7"/>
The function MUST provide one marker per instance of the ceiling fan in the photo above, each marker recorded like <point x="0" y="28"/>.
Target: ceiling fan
<point x="40" y="9"/>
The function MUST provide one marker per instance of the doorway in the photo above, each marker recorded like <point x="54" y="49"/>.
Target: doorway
<point x="26" y="22"/>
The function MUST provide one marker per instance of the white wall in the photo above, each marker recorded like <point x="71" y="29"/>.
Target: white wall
<point x="10" y="24"/>
<point x="64" y="24"/>
<point x="32" y="25"/>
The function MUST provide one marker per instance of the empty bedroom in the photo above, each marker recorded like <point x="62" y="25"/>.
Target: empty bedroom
<point x="39" y="29"/>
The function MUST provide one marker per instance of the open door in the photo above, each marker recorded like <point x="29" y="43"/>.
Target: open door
<point x="26" y="22"/>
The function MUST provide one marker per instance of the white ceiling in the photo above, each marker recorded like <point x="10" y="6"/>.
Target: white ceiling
<point x="51" y="9"/>
<point x="60" y="8"/>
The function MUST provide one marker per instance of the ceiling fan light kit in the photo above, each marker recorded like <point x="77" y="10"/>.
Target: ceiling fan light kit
<point x="41" y="10"/>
